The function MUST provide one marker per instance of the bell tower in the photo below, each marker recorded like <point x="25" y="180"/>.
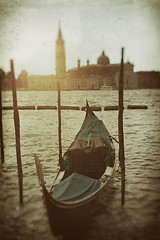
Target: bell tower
<point x="60" y="57"/>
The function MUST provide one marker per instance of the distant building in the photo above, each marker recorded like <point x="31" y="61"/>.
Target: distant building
<point x="60" y="60"/>
<point x="91" y="76"/>
<point x="3" y="80"/>
<point x="6" y="80"/>
<point x="39" y="82"/>
<point x="103" y="73"/>
<point x="22" y="80"/>
<point x="150" y="79"/>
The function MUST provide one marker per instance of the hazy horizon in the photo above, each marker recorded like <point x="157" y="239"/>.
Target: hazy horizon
<point x="29" y="30"/>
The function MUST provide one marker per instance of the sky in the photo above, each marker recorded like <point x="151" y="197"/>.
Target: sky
<point x="29" y="29"/>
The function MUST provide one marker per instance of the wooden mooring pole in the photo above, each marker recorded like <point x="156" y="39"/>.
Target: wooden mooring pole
<point x="59" y="120"/>
<point x="17" y="133"/>
<point x="1" y="118"/>
<point x="120" y="131"/>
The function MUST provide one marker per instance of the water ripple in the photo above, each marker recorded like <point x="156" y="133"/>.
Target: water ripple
<point x="39" y="136"/>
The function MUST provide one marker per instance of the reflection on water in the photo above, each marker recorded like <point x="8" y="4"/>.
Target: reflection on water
<point x="140" y="217"/>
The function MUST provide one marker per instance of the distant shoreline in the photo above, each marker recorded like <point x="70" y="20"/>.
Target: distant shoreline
<point x="66" y="90"/>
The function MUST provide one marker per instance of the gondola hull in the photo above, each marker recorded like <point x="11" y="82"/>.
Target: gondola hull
<point x="65" y="220"/>
<point x="72" y="218"/>
<point x="87" y="167"/>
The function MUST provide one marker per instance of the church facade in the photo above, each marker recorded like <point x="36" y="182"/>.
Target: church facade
<point x="93" y="76"/>
<point x="100" y="75"/>
<point x="88" y="77"/>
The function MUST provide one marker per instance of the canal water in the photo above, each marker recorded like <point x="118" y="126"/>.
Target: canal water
<point x="140" y="216"/>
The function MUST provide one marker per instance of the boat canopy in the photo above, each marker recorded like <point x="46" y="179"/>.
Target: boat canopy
<point x="92" y="127"/>
<point x="75" y="187"/>
<point x="91" y="151"/>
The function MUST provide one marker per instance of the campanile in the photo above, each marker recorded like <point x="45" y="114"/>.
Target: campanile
<point x="60" y="57"/>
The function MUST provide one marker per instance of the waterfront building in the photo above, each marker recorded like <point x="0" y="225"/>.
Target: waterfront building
<point x="22" y="80"/>
<point x="40" y="82"/>
<point x="94" y="76"/>
<point x="88" y="77"/>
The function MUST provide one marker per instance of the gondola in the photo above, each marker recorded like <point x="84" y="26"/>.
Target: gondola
<point x="85" y="170"/>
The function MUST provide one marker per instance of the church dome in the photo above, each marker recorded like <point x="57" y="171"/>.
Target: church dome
<point x="103" y="59"/>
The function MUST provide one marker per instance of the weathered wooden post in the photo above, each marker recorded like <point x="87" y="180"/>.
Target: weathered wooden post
<point x="120" y="131"/>
<point x="17" y="133"/>
<point x="1" y="118"/>
<point x="59" y="120"/>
